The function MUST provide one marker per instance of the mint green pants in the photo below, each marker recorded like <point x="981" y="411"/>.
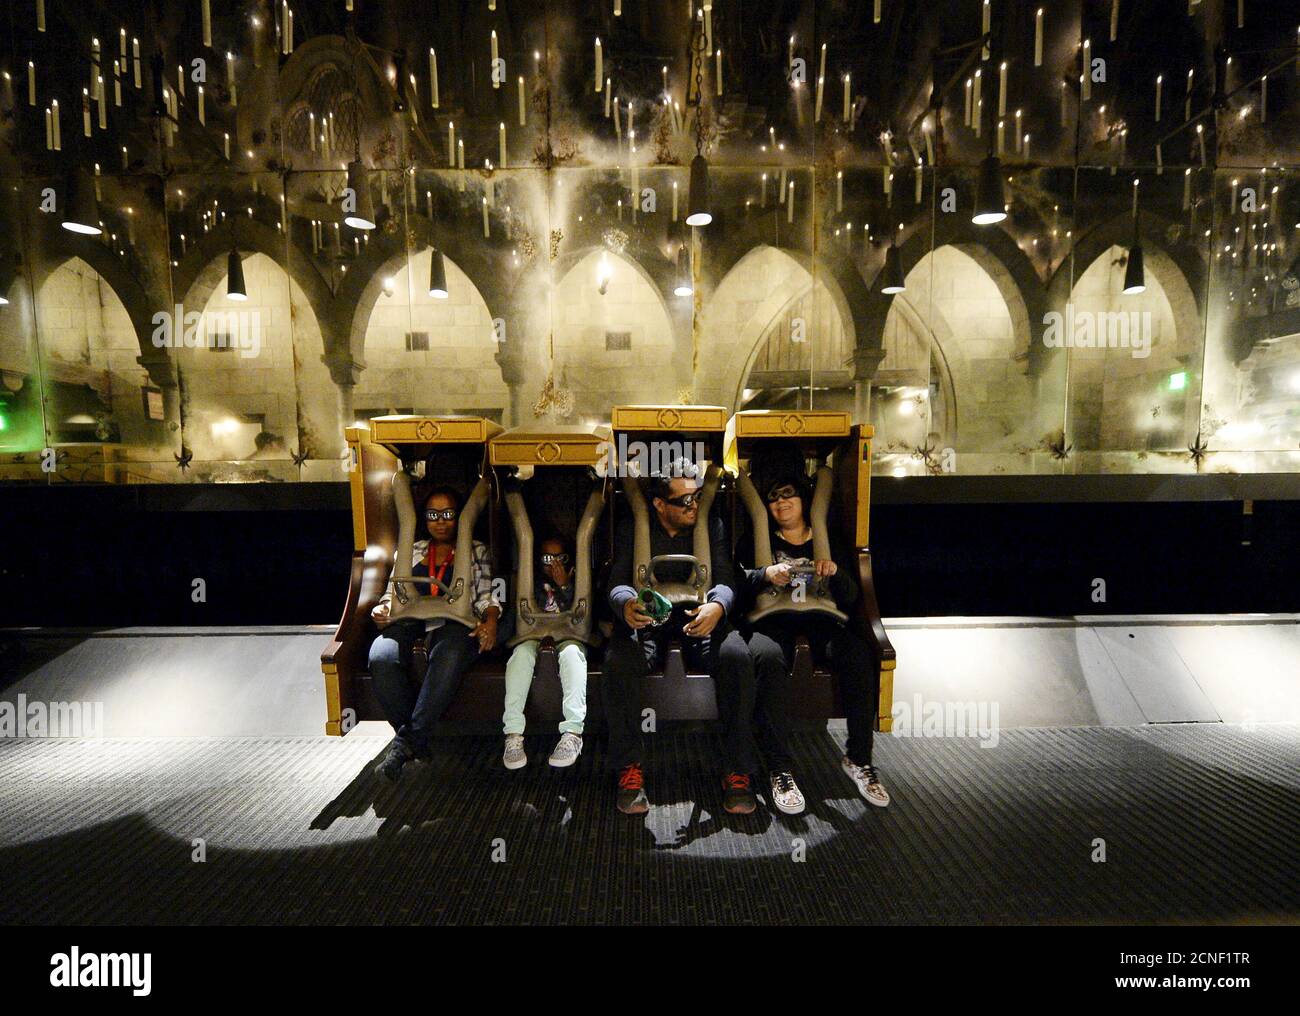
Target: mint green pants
<point x="573" y="683"/>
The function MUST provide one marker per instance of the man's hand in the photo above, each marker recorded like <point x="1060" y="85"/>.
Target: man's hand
<point x="778" y="574"/>
<point x="635" y="615"/>
<point x="380" y="614"/>
<point x="486" y="630"/>
<point x="705" y="619"/>
<point x="825" y="569"/>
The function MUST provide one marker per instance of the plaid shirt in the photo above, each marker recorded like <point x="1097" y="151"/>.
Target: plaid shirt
<point x="482" y="580"/>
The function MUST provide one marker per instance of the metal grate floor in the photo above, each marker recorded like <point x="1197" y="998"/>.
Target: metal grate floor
<point x="1200" y="822"/>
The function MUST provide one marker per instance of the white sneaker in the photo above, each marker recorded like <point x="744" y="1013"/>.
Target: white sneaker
<point x="514" y="757"/>
<point x="867" y="780"/>
<point x="566" y="751"/>
<point x="786" y="794"/>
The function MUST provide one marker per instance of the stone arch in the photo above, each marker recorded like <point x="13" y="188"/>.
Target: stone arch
<point x="826" y="262"/>
<point x="964" y="305"/>
<point x="138" y="298"/>
<point x="1001" y="259"/>
<point x="935" y="331"/>
<point x="1119" y="398"/>
<point x="79" y="357"/>
<point x="290" y="344"/>
<point x="731" y="325"/>
<point x="635" y="304"/>
<point x="386" y="254"/>
<point x="1179" y="268"/>
<point x="460" y="371"/>
<point x="204" y="266"/>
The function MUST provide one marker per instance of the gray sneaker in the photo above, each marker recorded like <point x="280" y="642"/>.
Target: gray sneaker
<point x="566" y="751"/>
<point x="514" y="757"/>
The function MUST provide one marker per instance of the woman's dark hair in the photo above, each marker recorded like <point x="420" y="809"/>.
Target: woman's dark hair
<point x="566" y="546"/>
<point x="800" y="483"/>
<point x="445" y="491"/>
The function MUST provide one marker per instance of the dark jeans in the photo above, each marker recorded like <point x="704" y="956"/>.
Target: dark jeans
<point x="629" y="657"/>
<point x="851" y="663"/>
<point x="412" y="713"/>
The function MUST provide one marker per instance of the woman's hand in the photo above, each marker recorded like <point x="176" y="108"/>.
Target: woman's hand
<point x="486" y="631"/>
<point x="825" y="569"/>
<point x="778" y="574"/>
<point x="380" y="614"/>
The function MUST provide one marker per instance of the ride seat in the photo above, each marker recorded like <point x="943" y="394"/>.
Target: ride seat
<point x="812" y="596"/>
<point x="531" y="622"/>
<point x="693" y="591"/>
<point x="457" y="600"/>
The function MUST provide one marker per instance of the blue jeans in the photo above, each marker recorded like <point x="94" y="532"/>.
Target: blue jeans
<point x="413" y="714"/>
<point x="572" y="659"/>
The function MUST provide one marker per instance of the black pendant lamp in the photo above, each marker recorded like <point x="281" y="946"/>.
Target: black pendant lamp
<point x="7" y="276"/>
<point x="1135" y="276"/>
<point x="363" y="215"/>
<point x="438" y="275"/>
<point x="892" y="276"/>
<point x="235" y="288"/>
<point x="684" y="286"/>
<point x="697" y="206"/>
<point x="990" y="197"/>
<point x="80" y="212"/>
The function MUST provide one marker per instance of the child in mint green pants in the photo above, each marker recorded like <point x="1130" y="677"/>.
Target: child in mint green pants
<point x="554" y="595"/>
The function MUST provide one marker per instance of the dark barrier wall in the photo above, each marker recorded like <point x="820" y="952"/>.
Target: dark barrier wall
<point x="279" y="555"/>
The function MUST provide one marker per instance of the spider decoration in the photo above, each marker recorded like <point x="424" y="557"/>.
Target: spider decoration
<point x="298" y="458"/>
<point x="925" y="453"/>
<point x="1197" y="449"/>
<point x="1055" y="443"/>
<point x="184" y="459"/>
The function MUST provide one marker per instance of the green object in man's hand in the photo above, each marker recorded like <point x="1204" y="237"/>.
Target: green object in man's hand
<point x="656" y="605"/>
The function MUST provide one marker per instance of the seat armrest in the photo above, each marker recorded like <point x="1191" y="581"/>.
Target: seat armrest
<point x="348" y="624"/>
<point x="869" y="610"/>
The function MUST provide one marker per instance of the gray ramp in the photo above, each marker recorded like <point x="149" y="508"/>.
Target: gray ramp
<point x="178" y="683"/>
<point x="1103" y="671"/>
<point x="1250" y="673"/>
<point x="1164" y="688"/>
<point x="1040" y="676"/>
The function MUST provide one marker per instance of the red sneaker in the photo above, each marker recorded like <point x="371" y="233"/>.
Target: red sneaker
<point x="737" y="794"/>
<point x="631" y="791"/>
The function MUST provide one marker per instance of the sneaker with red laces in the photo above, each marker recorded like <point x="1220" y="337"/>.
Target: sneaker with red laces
<point x="737" y="794"/>
<point x="631" y="791"/>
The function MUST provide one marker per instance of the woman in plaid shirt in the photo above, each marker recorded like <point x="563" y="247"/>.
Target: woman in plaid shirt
<point x="452" y="646"/>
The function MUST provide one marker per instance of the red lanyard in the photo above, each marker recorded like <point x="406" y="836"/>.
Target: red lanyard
<point x="429" y="556"/>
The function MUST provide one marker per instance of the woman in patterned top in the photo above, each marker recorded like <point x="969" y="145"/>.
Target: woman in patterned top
<point x="773" y="640"/>
<point x="452" y="646"/>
